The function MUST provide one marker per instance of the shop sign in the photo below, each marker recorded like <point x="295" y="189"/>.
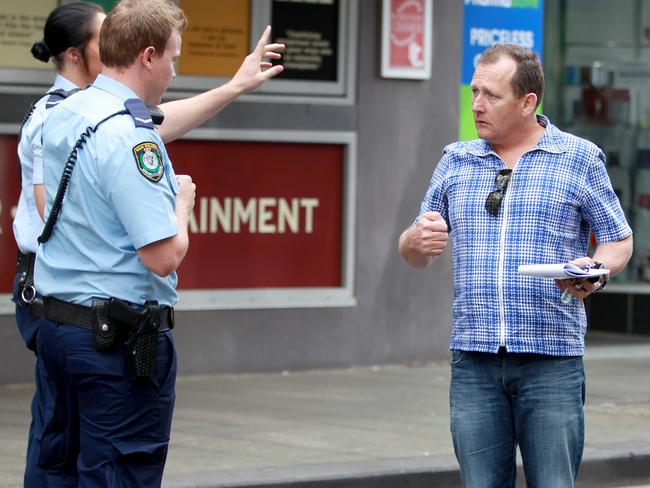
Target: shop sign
<point x="489" y="22"/>
<point x="267" y="215"/>
<point x="9" y="192"/>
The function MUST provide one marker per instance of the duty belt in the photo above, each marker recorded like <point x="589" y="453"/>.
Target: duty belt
<point x="112" y="322"/>
<point x="82" y="316"/>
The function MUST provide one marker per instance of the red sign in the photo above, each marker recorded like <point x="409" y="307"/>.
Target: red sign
<point x="407" y="40"/>
<point x="266" y="214"/>
<point x="9" y="192"/>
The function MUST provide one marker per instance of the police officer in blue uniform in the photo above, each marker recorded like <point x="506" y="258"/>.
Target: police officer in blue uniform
<point x="116" y="231"/>
<point x="71" y="38"/>
<point x="73" y="32"/>
<point x="110" y="248"/>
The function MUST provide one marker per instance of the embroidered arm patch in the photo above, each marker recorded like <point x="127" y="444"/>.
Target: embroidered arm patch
<point x="149" y="161"/>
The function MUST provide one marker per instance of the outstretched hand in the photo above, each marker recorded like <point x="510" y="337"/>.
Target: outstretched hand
<point x="257" y="68"/>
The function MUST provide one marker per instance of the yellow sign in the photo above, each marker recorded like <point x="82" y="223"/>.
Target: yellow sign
<point x="217" y="38"/>
<point x="21" y="25"/>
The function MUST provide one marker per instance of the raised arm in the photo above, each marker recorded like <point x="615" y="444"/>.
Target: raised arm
<point x="181" y="116"/>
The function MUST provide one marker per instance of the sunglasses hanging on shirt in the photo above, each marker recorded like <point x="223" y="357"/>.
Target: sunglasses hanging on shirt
<point x="494" y="199"/>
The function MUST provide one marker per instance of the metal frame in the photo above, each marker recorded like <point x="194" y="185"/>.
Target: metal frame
<point x="346" y="54"/>
<point x="341" y="92"/>
<point x="272" y="298"/>
<point x="256" y="298"/>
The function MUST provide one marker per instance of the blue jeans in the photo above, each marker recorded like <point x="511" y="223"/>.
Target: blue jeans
<point x="499" y="401"/>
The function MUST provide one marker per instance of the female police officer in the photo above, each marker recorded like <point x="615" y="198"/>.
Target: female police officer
<point x="71" y="37"/>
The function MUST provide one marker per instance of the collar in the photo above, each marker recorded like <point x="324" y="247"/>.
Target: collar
<point x="62" y="83"/>
<point x="113" y="87"/>
<point x="553" y="141"/>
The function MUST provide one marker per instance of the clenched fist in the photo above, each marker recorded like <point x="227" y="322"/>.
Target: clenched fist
<point x="425" y="240"/>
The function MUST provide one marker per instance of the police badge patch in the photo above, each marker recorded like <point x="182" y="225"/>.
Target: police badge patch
<point x="148" y="160"/>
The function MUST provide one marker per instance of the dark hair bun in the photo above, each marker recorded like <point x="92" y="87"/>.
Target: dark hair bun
<point x="41" y="52"/>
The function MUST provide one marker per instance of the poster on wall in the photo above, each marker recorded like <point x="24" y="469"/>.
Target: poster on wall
<point x="21" y="25"/>
<point x="489" y="22"/>
<point x="406" y="39"/>
<point x="310" y="30"/>
<point x="216" y="39"/>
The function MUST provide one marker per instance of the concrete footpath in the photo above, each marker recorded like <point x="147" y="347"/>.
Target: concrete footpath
<point x="375" y="427"/>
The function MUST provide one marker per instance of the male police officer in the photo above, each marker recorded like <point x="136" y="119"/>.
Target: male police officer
<point x="107" y="264"/>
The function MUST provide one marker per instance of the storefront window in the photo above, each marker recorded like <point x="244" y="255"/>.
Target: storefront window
<point x="598" y="70"/>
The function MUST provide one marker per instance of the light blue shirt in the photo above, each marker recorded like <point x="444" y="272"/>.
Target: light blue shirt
<point x="558" y="193"/>
<point x="27" y="222"/>
<point x="111" y="207"/>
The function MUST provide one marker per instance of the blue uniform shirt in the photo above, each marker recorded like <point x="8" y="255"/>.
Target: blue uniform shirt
<point x="27" y="222"/>
<point x="558" y="192"/>
<point x="121" y="197"/>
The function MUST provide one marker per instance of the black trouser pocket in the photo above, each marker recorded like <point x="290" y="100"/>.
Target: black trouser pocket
<point x="59" y="440"/>
<point x="139" y="462"/>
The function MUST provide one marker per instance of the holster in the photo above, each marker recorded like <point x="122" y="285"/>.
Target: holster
<point x="142" y="328"/>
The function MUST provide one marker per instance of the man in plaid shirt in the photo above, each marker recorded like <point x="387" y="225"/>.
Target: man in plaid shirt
<point x="524" y="193"/>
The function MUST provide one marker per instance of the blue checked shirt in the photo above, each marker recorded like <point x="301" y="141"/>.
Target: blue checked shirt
<point x="558" y="192"/>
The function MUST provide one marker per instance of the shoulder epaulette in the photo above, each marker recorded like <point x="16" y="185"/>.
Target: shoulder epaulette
<point x="57" y="96"/>
<point x="144" y="115"/>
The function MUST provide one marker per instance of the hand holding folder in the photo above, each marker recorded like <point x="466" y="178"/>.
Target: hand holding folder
<point x="563" y="271"/>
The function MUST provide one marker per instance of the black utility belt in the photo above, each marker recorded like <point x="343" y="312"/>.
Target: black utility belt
<point x="113" y="321"/>
<point x="82" y="316"/>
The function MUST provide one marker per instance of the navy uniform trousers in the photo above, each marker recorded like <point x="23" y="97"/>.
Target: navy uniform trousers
<point x="99" y="428"/>
<point x="28" y="326"/>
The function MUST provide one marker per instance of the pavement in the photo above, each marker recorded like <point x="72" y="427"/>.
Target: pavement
<point x="372" y="427"/>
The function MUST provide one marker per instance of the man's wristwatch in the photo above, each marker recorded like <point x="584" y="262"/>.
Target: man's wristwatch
<point x="602" y="279"/>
